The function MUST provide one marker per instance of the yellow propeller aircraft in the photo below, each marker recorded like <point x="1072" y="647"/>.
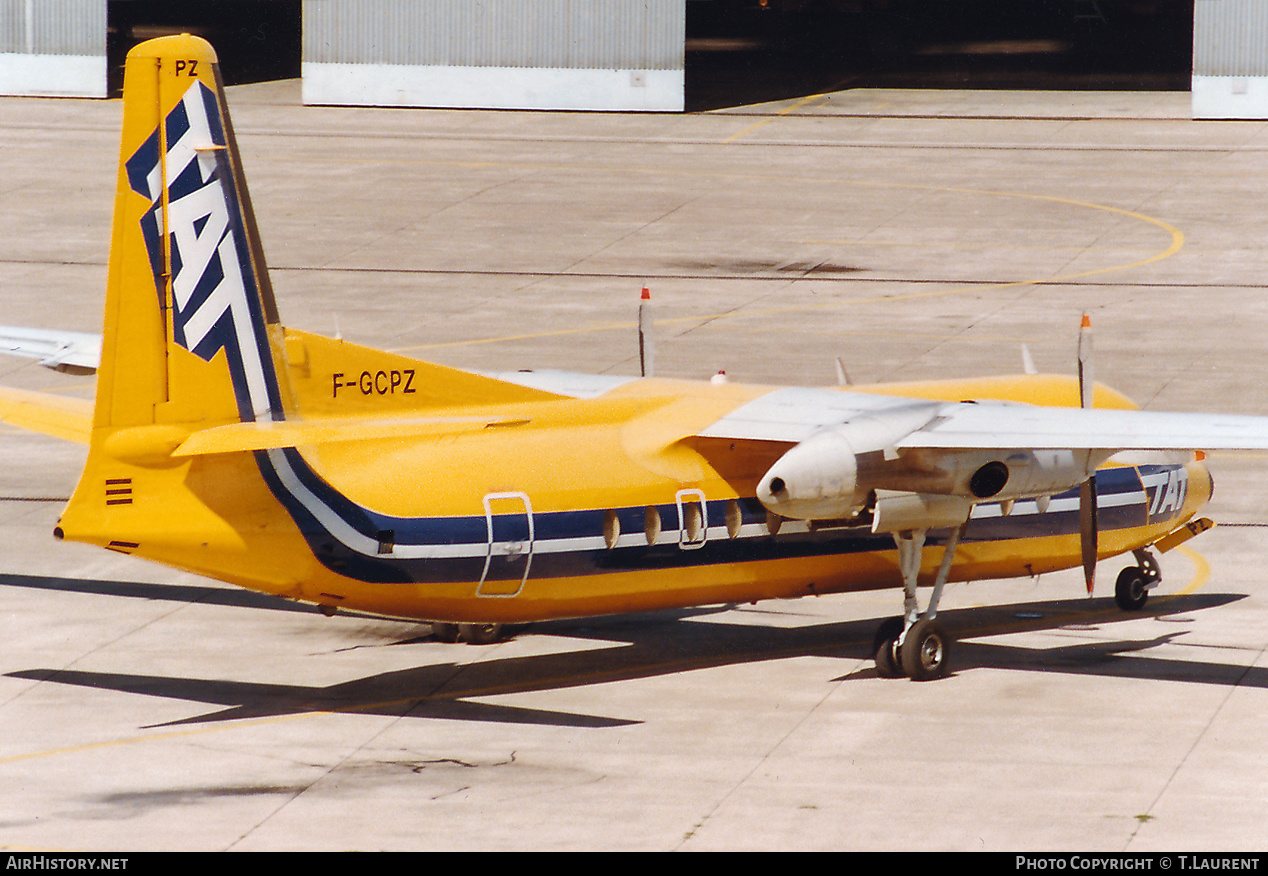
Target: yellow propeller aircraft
<point x="224" y="443"/>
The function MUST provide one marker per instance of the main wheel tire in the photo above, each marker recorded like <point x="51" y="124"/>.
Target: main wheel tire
<point x="1130" y="591"/>
<point x="924" y="651"/>
<point x="885" y="648"/>
<point x="479" y="634"/>
<point x="445" y="632"/>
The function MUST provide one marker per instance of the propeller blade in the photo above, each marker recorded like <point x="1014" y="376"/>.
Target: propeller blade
<point x="1088" y="530"/>
<point x="1085" y="362"/>
<point x="843" y="377"/>
<point x="1028" y="361"/>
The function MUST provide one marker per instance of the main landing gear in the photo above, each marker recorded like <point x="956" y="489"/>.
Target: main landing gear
<point x="919" y="654"/>
<point x="915" y="645"/>
<point x="471" y="634"/>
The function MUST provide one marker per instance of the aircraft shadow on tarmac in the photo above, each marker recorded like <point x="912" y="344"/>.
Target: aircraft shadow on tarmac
<point x="651" y="645"/>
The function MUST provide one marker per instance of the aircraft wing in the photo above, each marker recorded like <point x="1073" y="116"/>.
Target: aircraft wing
<point x="56" y="415"/>
<point x="793" y="415"/>
<point x="847" y="450"/>
<point x="72" y="352"/>
<point x="979" y="425"/>
<point x="786" y="415"/>
<point x="48" y="413"/>
<point x="566" y="383"/>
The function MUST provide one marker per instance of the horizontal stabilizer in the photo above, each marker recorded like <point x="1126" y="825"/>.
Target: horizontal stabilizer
<point x="238" y="437"/>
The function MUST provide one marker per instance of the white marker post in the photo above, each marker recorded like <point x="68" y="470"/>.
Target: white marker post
<point x="646" y="342"/>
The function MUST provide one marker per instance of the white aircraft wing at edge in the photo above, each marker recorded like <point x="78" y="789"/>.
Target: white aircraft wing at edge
<point x="793" y="415"/>
<point x="978" y="425"/>
<point x="73" y="352"/>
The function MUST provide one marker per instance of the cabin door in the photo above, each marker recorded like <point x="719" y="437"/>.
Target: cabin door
<point x="510" y="525"/>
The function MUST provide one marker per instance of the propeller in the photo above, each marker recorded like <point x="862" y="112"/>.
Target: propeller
<point x="1087" y="530"/>
<point x="1087" y="491"/>
<point x="1027" y="361"/>
<point x="843" y="376"/>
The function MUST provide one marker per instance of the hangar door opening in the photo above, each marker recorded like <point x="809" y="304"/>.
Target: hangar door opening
<point x="255" y="40"/>
<point x="745" y="51"/>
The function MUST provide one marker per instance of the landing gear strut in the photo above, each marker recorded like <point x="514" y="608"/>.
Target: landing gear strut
<point x="1131" y="590"/>
<point x="915" y="645"/>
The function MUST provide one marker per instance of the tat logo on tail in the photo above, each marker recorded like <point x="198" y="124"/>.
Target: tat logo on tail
<point x="199" y="231"/>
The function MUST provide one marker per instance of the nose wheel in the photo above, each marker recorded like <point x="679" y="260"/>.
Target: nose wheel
<point x="1131" y="590"/>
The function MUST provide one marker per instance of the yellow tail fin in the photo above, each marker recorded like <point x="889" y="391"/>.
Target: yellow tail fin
<point x="192" y="346"/>
<point x="191" y="335"/>
<point x="190" y="338"/>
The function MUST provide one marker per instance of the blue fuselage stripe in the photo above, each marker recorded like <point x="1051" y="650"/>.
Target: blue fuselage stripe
<point x="569" y="543"/>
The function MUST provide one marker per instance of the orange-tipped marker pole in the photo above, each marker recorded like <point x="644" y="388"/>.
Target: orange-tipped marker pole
<point x="646" y="344"/>
<point x="1088" y="523"/>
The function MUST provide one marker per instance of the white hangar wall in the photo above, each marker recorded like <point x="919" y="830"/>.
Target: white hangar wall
<point x="53" y="47"/>
<point x="498" y="54"/>
<point x="1230" y="59"/>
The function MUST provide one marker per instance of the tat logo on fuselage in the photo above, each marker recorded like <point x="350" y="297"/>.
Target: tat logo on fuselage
<point x="1165" y="491"/>
<point x="374" y="382"/>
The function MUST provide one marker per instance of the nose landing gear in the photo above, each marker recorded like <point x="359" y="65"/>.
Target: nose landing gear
<point x="1131" y="590"/>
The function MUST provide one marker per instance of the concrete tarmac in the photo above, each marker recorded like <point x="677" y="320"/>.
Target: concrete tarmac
<point x="913" y="234"/>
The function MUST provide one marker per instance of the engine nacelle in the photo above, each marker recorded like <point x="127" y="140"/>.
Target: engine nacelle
<point x="829" y="476"/>
<point x="835" y="473"/>
<point x="993" y="473"/>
